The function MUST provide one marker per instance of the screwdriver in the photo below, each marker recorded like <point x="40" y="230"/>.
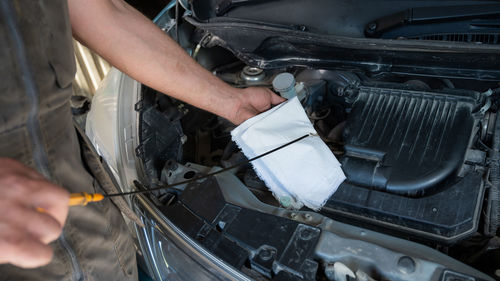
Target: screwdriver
<point x="83" y="198"/>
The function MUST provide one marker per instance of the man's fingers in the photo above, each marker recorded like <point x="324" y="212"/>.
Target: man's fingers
<point x="24" y="230"/>
<point x="22" y="249"/>
<point x="53" y="199"/>
<point x="40" y="225"/>
<point x="37" y="193"/>
<point x="252" y="101"/>
<point x="275" y="99"/>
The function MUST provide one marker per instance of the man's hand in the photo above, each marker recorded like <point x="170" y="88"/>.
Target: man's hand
<point x="250" y="102"/>
<point x="24" y="231"/>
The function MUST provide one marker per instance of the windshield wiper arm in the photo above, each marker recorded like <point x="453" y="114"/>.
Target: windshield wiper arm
<point x="224" y="6"/>
<point x="429" y="14"/>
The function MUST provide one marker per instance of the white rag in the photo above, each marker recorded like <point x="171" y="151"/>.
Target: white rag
<point x="303" y="173"/>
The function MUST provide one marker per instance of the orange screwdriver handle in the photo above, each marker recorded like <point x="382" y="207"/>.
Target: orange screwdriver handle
<point x="83" y="198"/>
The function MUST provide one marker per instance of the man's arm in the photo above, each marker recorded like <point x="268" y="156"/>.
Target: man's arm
<point x="133" y="44"/>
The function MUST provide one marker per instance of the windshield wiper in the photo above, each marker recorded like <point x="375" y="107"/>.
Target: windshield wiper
<point x="429" y="14"/>
<point x="223" y="6"/>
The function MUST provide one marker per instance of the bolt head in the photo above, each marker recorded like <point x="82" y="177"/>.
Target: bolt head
<point x="265" y="254"/>
<point x="406" y="265"/>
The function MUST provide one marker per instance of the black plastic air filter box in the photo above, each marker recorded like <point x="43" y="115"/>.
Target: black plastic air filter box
<point x="404" y="150"/>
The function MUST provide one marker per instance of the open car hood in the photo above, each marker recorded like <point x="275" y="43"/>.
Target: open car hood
<point x="322" y="33"/>
<point x="346" y="18"/>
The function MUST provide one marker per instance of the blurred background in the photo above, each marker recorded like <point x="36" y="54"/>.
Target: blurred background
<point x="91" y="68"/>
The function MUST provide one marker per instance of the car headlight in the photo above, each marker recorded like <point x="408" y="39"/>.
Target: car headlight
<point x="171" y="255"/>
<point x="112" y="125"/>
<point x="168" y="253"/>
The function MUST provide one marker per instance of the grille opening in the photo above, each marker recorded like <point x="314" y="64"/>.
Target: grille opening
<point x="484" y="38"/>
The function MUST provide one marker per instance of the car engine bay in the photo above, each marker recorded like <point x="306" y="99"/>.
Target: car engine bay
<point x="419" y="143"/>
<point x="415" y="151"/>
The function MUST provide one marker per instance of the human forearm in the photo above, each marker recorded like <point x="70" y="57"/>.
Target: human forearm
<point x="136" y="46"/>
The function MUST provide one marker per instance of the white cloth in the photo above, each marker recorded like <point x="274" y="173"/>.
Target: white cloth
<point x="303" y="173"/>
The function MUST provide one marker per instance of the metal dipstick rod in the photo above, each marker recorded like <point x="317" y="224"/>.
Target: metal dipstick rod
<point x="82" y="199"/>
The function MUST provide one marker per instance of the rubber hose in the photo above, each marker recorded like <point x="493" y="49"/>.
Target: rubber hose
<point x="494" y="194"/>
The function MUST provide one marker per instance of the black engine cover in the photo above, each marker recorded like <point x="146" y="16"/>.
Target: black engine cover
<point x="404" y="150"/>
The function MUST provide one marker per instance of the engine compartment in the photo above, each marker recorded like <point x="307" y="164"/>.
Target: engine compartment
<point x="413" y="123"/>
<point x="414" y="152"/>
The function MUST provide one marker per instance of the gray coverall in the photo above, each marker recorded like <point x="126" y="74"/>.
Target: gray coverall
<point x="36" y="73"/>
